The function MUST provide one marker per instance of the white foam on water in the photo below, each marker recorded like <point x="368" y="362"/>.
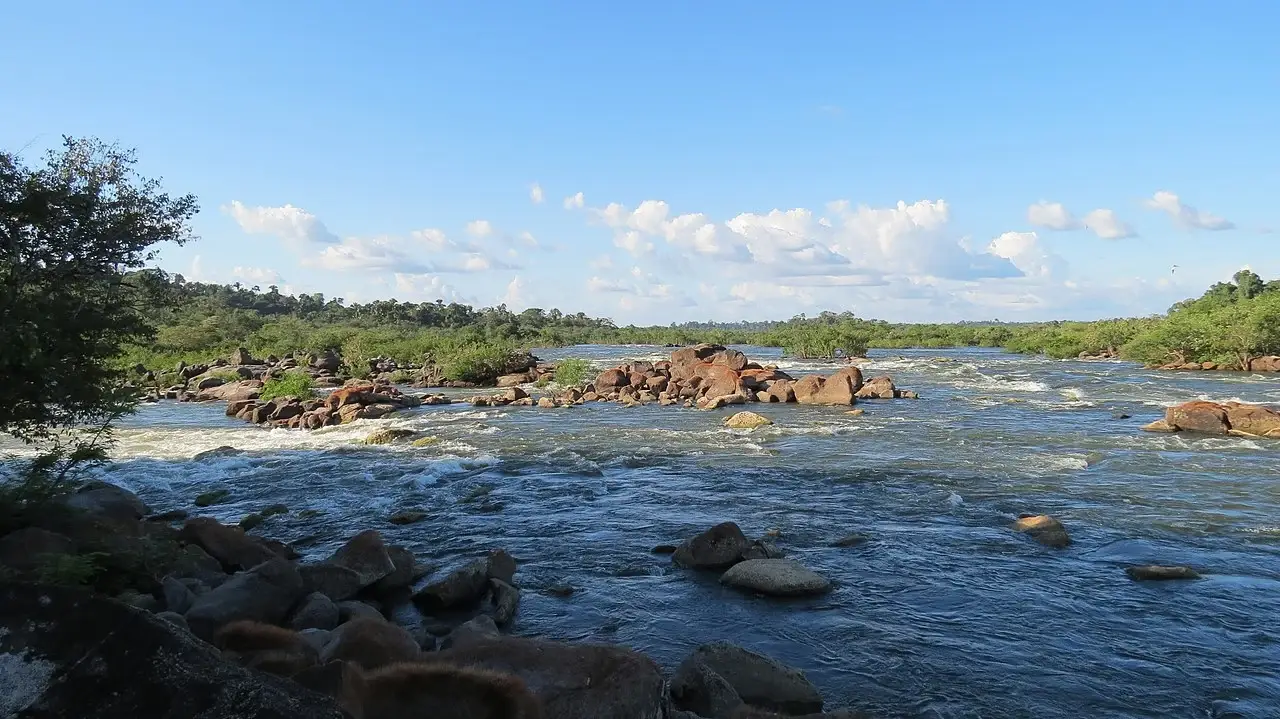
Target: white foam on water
<point x="955" y="500"/>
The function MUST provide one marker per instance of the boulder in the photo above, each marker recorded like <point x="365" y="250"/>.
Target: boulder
<point x="806" y="388"/>
<point x="877" y="388"/>
<point x="327" y="361"/>
<point x="1207" y="417"/>
<point x="513" y="394"/>
<point x="838" y="389"/>
<point x="316" y="611"/>
<point x="733" y="359"/>
<point x="178" y="596"/>
<point x="229" y="545"/>
<point x="1158" y="572"/>
<point x="108" y="501"/>
<point x="718" y="381"/>
<point x="26" y="549"/>
<point x="1253" y="420"/>
<point x="781" y="391"/>
<point x="371" y="644"/>
<point x="333" y="581"/>
<point x="72" y="654"/>
<point x="406" y="566"/>
<point x="1044" y="529"/>
<point x="245" y="389"/>
<point x="573" y="681"/>
<point x="1159" y="426"/>
<point x="775" y="578"/>
<point x="747" y="420"/>
<point x="504" y="599"/>
<point x="461" y="587"/>
<point x="366" y="555"/>
<point x="717" y="548"/>
<point x="696" y="688"/>
<point x="352" y="609"/>
<point x="513" y="380"/>
<point x="501" y="565"/>
<point x="471" y="631"/>
<point x="265" y="593"/>
<point x="759" y="680"/>
<point x="611" y="379"/>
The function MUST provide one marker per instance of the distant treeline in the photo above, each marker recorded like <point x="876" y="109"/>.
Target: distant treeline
<point x="1230" y="324"/>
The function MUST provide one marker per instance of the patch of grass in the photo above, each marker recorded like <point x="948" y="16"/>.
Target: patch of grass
<point x="69" y="570"/>
<point x="291" y="384"/>
<point x="225" y="375"/>
<point x="572" y="372"/>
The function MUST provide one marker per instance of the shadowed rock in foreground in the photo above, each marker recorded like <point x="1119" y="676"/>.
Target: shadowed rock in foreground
<point x="66" y="653"/>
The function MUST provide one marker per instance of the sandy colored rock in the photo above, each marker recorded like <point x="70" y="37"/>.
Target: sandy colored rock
<point x="747" y="420"/>
<point x="775" y="578"/>
<point x="1044" y="529"/>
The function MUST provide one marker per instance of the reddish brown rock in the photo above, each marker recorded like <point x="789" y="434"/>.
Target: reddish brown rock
<point x="1253" y="419"/>
<point x="781" y="391"/>
<point x="718" y="380"/>
<point x="877" y="388"/>
<point x="611" y="379"/>
<point x="807" y="388"/>
<point x="1198" y="416"/>
<point x="733" y="359"/>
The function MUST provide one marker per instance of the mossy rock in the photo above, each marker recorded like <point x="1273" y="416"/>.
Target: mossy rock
<point x="477" y="492"/>
<point x="426" y="441"/>
<point x="388" y="435"/>
<point x="251" y="520"/>
<point x="217" y="496"/>
<point x="274" y="510"/>
<point x="310" y="513"/>
<point x="407" y="516"/>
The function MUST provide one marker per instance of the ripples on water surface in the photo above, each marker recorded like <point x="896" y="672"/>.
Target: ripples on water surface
<point x="944" y="612"/>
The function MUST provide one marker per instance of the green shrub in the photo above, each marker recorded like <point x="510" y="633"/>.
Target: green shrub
<point x="572" y="372"/>
<point x="291" y="384"/>
<point x="72" y="570"/>
<point x="401" y="376"/>
<point x="225" y="375"/>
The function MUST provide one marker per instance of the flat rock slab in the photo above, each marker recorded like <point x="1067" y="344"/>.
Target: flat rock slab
<point x="1159" y="572"/>
<point x="66" y="653"/>
<point x="776" y="578"/>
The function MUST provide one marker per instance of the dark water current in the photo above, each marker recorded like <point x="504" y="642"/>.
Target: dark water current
<point x="943" y="612"/>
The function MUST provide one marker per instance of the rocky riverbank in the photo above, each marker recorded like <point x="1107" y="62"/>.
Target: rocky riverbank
<point x="213" y="609"/>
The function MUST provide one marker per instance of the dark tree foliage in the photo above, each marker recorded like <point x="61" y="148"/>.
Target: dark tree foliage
<point x="75" y="235"/>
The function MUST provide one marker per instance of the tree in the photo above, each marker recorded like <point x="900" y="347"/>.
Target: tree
<point x="75" y="237"/>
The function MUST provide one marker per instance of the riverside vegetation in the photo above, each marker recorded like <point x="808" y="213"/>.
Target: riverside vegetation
<point x="89" y="564"/>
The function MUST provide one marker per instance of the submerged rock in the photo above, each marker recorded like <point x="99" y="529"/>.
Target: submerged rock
<point x="1044" y="529"/>
<point x="1158" y="572"/>
<point x="775" y="578"/>
<point x="388" y="435"/>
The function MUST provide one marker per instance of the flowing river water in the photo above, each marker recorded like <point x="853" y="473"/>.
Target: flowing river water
<point x="942" y="612"/>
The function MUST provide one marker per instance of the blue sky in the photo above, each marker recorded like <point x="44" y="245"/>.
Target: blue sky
<point x="916" y="161"/>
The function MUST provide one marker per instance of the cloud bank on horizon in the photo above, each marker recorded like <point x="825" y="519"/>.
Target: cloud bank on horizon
<point x="657" y="265"/>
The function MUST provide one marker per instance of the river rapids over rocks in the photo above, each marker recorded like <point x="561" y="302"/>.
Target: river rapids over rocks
<point x="943" y="610"/>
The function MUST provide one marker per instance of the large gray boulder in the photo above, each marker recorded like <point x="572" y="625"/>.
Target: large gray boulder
<point x="759" y="680"/>
<point x="66" y="653"/>
<point x="775" y="578"/>
<point x="717" y="548"/>
<point x="366" y="555"/>
<point x="265" y="593"/>
<point x="573" y="681"/>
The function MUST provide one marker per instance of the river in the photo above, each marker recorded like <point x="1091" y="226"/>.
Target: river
<point x="942" y="612"/>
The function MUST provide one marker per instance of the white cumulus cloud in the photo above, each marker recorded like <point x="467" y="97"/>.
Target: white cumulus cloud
<point x="292" y="224"/>
<point x="479" y="228"/>
<point x="258" y="275"/>
<point x="1052" y="216"/>
<point x="1026" y="253"/>
<point x="1105" y="224"/>
<point x="514" y="298"/>
<point x="575" y="202"/>
<point x="1186" y="215"/>
<point x="535" y="194"/>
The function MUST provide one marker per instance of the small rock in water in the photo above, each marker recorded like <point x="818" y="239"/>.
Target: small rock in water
<point x="274" y="510"/>
<point x="664" y="549"/>
<point x="223" y="451"/>
<point x="1117" y="414"/>
<point x="407" y="516"/>
<point x="560" y="589"/>
<point x="1158" y="572"/>
<point x="388" y="435"/>
<point x="1044" y="529"/>
<point x="747" y="420"/>
<point x="775" y="578"/>
<point x="425" y="441"/>
<point x="217" y="496"/>
<point x="251" y="520"/>
<point x="856" y="412"/>
<point x="1159" y="426"/>
<point x="851" y="540"/>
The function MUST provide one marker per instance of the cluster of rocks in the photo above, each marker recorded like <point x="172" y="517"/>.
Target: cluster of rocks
<point x="238" y="626"/>
<point x="752" y="566"/>
<point x="356" y="400"/>
<point x="1269" y="363"/>
<point x="709" y="377"/>
<point x="1221" y="418"/>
